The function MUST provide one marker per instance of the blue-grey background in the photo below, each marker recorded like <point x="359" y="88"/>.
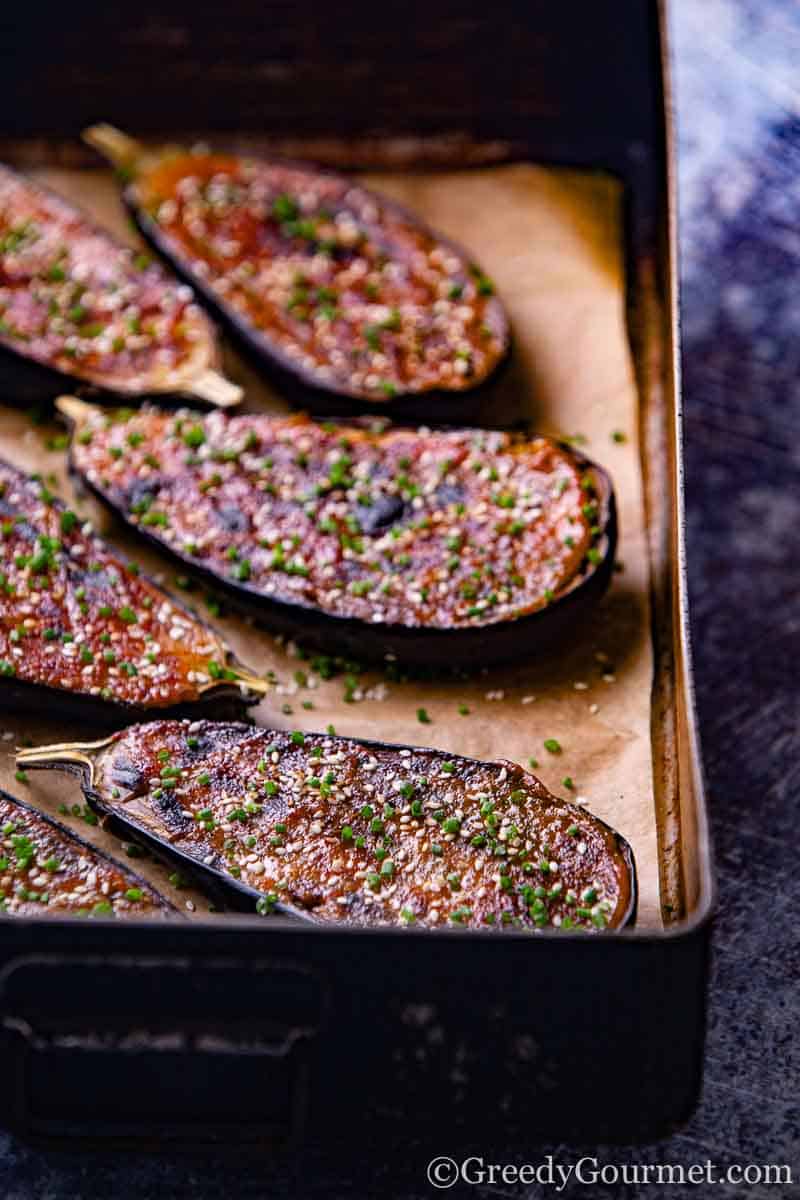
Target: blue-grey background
<point x="738" y="100"/>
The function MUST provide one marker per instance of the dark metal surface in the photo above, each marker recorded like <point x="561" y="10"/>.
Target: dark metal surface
<point x="740" y="153"/>
<point x="265" y="62"/>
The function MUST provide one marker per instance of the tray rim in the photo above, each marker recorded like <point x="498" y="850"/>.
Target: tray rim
<point x="683" y="695"/>
<point x="703" y="911"/>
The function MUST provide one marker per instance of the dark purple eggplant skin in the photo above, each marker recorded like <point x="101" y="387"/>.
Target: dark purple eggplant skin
<point x="92" y="851"/>
<point x="35" y="699"/>
<point x="441" y="650"/>
<point x="27" y="384"/>
<point x="297" y="384"/>
<point x="240" y="897"/>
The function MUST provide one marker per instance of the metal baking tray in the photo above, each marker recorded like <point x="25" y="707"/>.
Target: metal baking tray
<point x="261" y="1035"/>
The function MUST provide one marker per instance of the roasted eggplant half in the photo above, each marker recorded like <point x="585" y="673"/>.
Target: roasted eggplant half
<point x="341" y="829"/>
<point x="444" y="548"/>
<point x="83" y="630"/>
<point x="76" y="303"/>
<point x="339" y="289"/>
<point x="47" y="870"/>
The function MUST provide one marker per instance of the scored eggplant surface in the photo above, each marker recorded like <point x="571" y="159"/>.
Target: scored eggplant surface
<point x="46" y="870"/>
<point x="77" y="619"/>
<point x="74" y="300"/>
<point x="438" y="546"/>
<point x="348" y="830"/>
<point x="333" y="283"/>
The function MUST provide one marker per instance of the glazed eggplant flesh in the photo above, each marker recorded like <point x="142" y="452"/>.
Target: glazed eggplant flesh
<point x="78" y="622"/>
<point x="46" y="870"/>
<point x="382" y="535"/>
<point x="74" y="300"/>
<point x="353" y="831"/>
<point x="331" y="282"/>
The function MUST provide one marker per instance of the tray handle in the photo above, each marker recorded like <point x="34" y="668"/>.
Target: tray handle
<point x="90" y="1061"/>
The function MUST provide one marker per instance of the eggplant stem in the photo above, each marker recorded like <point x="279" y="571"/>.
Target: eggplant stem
<point x="80" y="754"/>
<point x="255" y="683"/>
<point x="214" y="388"/>
<point x="74" y="409"/>
<point x="122" y="151"/>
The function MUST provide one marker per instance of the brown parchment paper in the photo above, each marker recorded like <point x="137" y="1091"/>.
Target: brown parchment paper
<point x="552" y="241"/>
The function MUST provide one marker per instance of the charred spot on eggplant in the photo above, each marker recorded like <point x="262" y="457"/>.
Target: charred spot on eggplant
<point x="79" y="623"/>
<point x="46" y="870"/>
<point x="342" y="829"/>
<point x="170" y="812"/>
<point x="450" y="493"/>
<point x="381" y="513"/>
<point x="141" y="494"/>
<point x="232" y="519"/>
<point x="75" y="302"/>
<point x="126" y="774"/>
<point x="344" y="534"/>
<point x="333" y="284"/>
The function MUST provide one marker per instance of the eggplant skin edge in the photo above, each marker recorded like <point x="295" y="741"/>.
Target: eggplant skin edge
<point x="24" y="695"/>
<point x="440" y="649"/>
<point x="301" y="386"/>
<point x="26" y="383"/>
<point x="70" y="836"/>
<point x="218" y="884"/>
